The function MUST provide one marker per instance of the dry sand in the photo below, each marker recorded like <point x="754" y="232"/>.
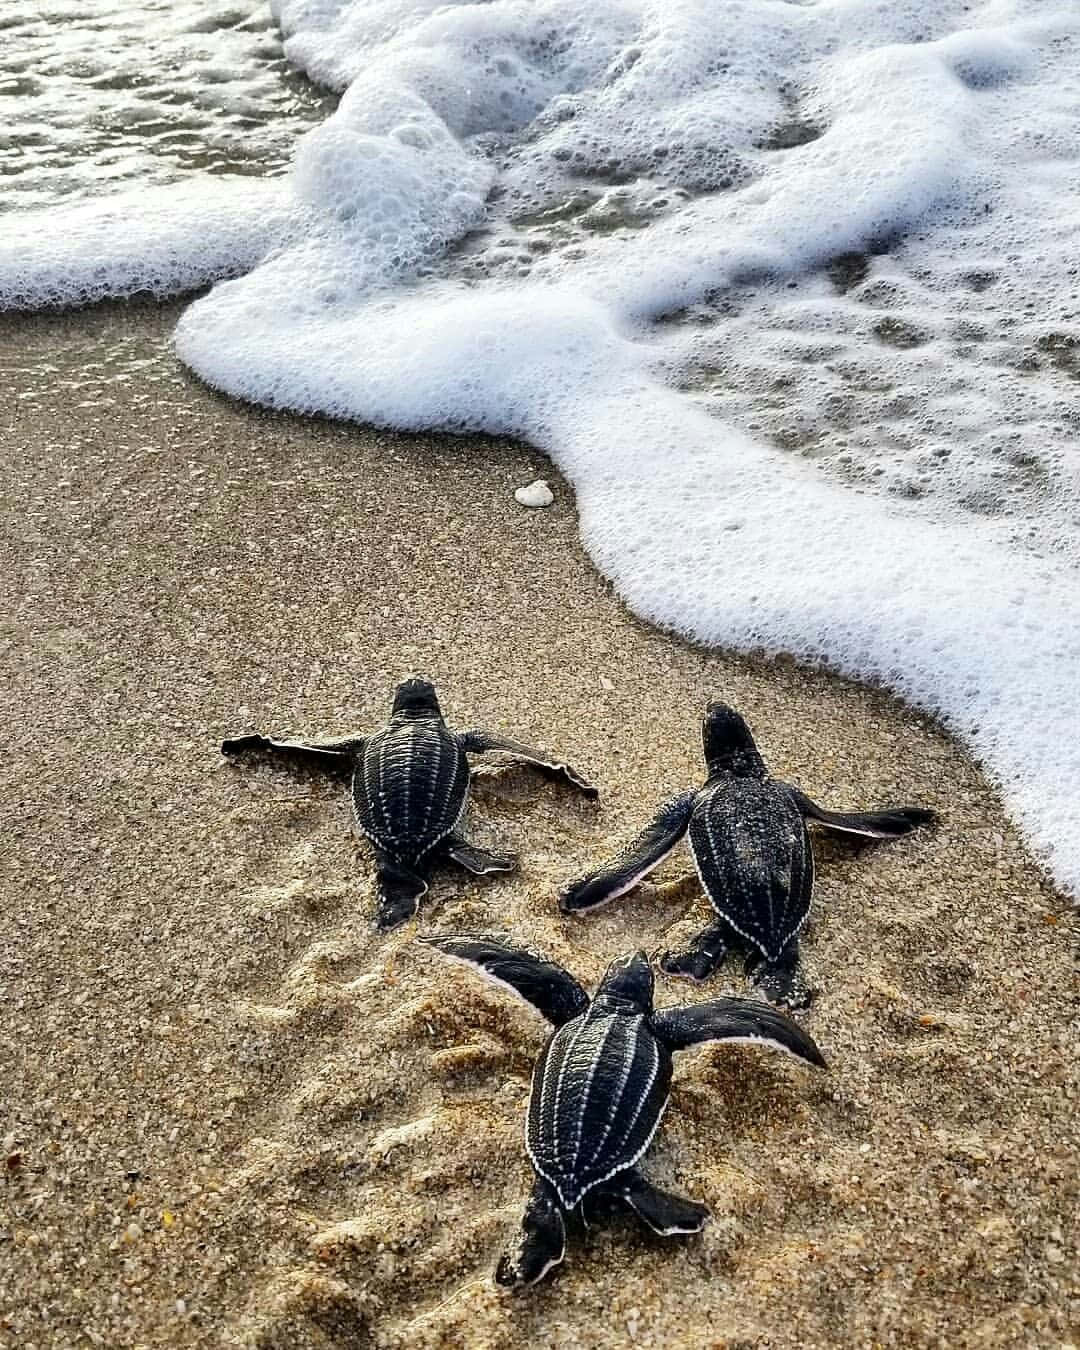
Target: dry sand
<point x="234" y="1116"/>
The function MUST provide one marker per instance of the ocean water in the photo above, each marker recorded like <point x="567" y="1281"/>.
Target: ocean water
<point x="789" y="291"/>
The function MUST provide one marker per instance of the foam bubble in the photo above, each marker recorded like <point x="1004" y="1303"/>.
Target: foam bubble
<point x="164" y="241"/>
<point x="783" y="289"/>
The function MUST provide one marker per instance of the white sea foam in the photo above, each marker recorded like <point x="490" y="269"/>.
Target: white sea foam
<point x="846" y="231"/>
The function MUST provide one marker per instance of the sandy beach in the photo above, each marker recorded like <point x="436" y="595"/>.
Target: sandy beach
<point x="233" y="1115"/>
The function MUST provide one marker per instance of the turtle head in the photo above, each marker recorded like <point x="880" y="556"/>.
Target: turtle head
<point x="629" y="979"/>
<point x="416" y="698"/>
<point x="728" y="744"/>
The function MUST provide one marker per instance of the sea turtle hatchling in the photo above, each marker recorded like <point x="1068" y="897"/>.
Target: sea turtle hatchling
<point x="410" y="788"/>
<point x="753" y="855"/>
<point x="601" y="1085"/>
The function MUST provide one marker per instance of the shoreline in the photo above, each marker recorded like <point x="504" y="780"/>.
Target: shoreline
<point x="208" y="1045"/>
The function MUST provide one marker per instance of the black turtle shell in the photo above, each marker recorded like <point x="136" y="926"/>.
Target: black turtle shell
<point x="598" y="1092"/>
<point x="410" y="787"/>
<point x="753" y="854"/>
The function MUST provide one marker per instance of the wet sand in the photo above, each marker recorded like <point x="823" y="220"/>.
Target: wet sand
<point x="234" y="1116"/>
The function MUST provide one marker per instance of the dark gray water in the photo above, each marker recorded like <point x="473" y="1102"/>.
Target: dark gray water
<point x="106" y="94"/>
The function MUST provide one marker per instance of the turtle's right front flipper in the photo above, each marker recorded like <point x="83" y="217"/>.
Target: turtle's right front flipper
<point x="892" y="823"/>
<point x="635" y="861"/>
<point x="734" y="1019"/>
<point x="337" y="757"/>
<point x="550" y="989"/>
<point x="542" y="1243"/>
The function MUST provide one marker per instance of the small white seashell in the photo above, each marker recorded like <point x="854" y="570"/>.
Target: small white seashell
<point x="535" y="494"/>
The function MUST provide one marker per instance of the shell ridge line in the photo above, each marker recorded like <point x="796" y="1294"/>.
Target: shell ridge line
<point x="627" y="1065"/>
<point x="559" y="1088"/>
<point x="460" y="775"/>
<point x="583" y="1097"/>
<point x="724" y="912"/>
<point x="380" y="779"/>
<point x="428" y="769"/>
<point x="542" y="1066"/>
<point x="440" y="776"/>
<point x="406" y="779"/>
<point x="627" y="1134"/>
<point x="537" y="1162"/>
<point x="450" y="758"/>
<point x="630" y="1162"/>
<point x="776" y="876"/>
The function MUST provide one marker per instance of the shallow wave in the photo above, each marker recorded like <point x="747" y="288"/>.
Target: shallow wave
<point x="839" y="229"/>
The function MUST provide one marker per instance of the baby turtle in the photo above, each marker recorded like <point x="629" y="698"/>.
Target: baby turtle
<point x="601" y="1085"/>
<point x="410" y="788"/>
<point x="752" y="851"/>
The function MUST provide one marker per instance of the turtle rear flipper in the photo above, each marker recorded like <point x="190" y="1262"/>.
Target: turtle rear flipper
<point x="782" y="981"/>
<point x="666" y="1214"/>
<point x="397" y="894"/>
<point x="704" y="954"/>
<point x="892" y="823"/>
<point x="542" y="1242"/>
<point x="478" y="861"/>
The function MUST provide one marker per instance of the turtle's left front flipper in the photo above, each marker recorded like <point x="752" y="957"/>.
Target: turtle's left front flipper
<point x="550" y="989"/>
<point x="551" y="766"/>
<point x="734" y="1019"/>
<point x="891" y="823"/>
<point x="634" y="862"/>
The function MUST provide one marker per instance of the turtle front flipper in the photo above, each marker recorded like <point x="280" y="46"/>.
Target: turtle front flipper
<point x="329" y="756"/>
<point x="479" y="861"/>
<point x="551" y="766"/>
<point x="635" y="861"/>
<point x="398" y="891"/>
<point x="734" y="1019"/>
<point x="892" y="823"/>
<point x="783" y="981"/>
<point x="542" y="1242"/>
<point x="550" y="989"/>
<point x="703" y="956"/>
<point x="666" y="1214"/>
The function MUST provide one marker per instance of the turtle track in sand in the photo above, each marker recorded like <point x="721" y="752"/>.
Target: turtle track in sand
<point x="383" y="1169"/>
<point x="378" y="1104"/>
